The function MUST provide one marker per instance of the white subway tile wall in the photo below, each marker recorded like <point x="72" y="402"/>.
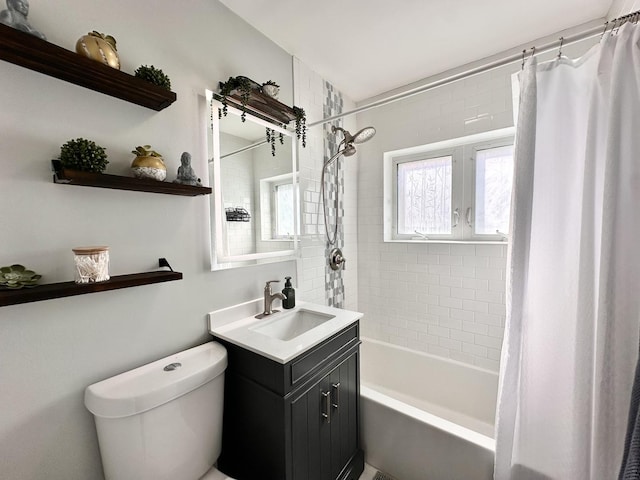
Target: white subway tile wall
<point x="430" y="306"/>
<point x="446" y="299"/>
<point x="240" y="172"/>
<point x="309" y="93"/>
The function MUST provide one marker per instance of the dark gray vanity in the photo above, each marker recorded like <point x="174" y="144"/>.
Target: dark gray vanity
<point x="297" y="420"/>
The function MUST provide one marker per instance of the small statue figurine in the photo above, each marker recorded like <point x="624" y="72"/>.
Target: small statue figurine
<point x="16" y="16"/>
<point x="186" y="175"/>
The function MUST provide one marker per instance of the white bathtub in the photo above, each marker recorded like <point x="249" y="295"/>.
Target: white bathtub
<point x="424" y="417"/>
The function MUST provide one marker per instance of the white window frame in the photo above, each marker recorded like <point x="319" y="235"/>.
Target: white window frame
<point x="275" y="207"/>
<point x="269" y="207"/>
<point x="463" y="151"/>
<point x="470" y="152"/>
<point x="456" y="181"/>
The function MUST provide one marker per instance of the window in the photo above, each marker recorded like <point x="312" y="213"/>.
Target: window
<point x="424" y="196"/>
<point x="493" y="181"/>
<point x="283" y="207"/>
<point x="454" y="190"/>
<point x="277" y="215"/>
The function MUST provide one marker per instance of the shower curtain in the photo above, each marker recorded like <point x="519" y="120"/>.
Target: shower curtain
<point x="573" y="295"/>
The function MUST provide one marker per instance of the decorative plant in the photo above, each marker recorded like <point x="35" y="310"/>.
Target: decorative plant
<point x="17" y="276"/>
<point x="271" y="89"/>
<point x="153" y="75"/>
<point x="271" y="139"/>
<point x="243" y="85"/>
<point x="301" y="124"/>
<point x="148" y="164"/>
<point x="145" y="151"/>
<point x="84" y="155"/>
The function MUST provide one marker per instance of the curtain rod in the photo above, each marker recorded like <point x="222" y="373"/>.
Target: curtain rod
<point x="502" y="62"/>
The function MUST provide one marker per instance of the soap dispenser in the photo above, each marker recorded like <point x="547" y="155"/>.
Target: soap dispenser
<point x="290" y="293"/>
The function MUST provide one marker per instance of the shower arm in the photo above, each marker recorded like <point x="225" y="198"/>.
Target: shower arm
<point x="348" y="138"/>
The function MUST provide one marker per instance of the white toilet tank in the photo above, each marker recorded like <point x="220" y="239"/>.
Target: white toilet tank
<point x="162" y="421"/>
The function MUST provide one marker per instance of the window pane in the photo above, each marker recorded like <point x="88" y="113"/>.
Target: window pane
<point x="494" y="178"/>
<point x="284" y="210"/>
<point x="424" y="196"/>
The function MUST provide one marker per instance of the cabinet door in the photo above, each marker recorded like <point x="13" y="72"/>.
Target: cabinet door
<point x="344" y="416"/>
<point x="325" y="424"/>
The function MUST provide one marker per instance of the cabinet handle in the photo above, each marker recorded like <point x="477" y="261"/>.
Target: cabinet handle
<point x="326" y="414"/>
<point x="336" y="393"/>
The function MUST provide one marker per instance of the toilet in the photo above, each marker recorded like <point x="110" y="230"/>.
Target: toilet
<point x="162" y="421"/>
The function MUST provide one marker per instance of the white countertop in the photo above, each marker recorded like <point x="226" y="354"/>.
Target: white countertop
<point x="234" y="324"/>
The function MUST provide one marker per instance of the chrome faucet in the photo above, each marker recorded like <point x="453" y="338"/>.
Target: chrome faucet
<point x="269" y="296"/>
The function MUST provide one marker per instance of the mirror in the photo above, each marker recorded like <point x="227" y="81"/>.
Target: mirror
<point x="254" y="206"/>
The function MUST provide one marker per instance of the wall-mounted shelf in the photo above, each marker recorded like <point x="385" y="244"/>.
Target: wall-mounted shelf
<point x="103" y="180"/>
<point x="262" y="106"/>
<point x="69" y="289"/>
<point x="41" y="56"/>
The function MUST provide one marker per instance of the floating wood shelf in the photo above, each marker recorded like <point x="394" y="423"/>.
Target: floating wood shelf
<point x="41" y="56"/>
<point x="263" y="106"/>
<point x="69" y="289"/>
<point x="104" y="180"/>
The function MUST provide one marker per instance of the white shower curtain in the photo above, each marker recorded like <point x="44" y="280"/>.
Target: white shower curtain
<point x="573" y="306"/>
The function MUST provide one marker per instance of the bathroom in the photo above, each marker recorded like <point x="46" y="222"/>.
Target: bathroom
<point x="51" y="350"/>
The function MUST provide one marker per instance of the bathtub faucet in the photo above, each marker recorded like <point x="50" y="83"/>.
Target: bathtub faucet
<point x="269" y="296"/>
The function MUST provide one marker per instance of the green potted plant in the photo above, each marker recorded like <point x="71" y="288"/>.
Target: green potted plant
<point x="84" y="155"/>
<point x="243" y="86"/>
<point x="271" y="89"/>
<point x="153" y="75"/>
<point x="148" y="164"/>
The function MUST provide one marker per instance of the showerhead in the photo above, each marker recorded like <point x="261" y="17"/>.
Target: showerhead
<point x="364" y="135"/>
<point x="360" y="137"/>
<point x="349" y="150"/>
<point x="346" y="149"/>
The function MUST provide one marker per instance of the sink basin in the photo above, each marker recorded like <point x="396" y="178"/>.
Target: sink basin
<point x="287" y="326"/>
<point x="281" y="336"/>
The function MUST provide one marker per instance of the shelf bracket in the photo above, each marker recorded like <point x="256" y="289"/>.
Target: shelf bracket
<point x="162" y="262"/>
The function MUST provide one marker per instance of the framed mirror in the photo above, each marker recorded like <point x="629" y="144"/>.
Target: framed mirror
<point x="255" y="201"/>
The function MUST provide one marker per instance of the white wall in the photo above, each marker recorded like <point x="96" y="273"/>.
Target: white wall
<point x="444" y="299"/>
<point x="50" y="351"/>
<point x="620" y="8"/>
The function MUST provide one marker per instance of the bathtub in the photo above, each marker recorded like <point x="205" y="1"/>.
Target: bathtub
<point x="424" y="417"/>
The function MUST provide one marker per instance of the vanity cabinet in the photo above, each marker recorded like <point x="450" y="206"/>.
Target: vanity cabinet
<point x="294" y="421"/>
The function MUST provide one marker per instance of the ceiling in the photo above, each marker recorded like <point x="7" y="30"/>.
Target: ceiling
<point x="367" y="47"/>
